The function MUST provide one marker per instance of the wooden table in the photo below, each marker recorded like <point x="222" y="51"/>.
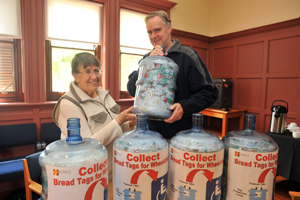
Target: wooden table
<point x="225" y="115"/>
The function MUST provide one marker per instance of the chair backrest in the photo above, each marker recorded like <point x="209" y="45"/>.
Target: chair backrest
<point x="50" y="132"/>
<point x="17" y="135"/>
<point x="34" y="167"/>
<point x="13" y="136"/>
<point x="32" y="171"/>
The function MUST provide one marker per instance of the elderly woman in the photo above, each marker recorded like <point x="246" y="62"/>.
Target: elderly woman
<point x="100" y="116"/>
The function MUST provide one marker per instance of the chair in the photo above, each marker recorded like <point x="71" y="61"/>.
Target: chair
<point x="12" y="136"/>
<point x="32" y="171"/>
<point x="294" y="195"/>
<point x="50" y="133"/>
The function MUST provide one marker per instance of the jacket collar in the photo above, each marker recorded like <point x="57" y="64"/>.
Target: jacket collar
<point x="175" y="47"/>
<point x="81" y="96"/>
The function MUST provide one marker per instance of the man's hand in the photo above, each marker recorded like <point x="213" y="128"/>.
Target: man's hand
<point x="158" y="51"/>
<point x="177" y="113"/>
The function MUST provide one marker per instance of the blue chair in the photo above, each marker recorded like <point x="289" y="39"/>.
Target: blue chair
<point x="50" y="133"/>
<point x="32" y="171"/>
<point x="12" y="136"/>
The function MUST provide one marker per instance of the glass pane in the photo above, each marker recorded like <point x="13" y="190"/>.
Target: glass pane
<point x="6" y="68"/>
<point x="129" y="63"/>
<point x="73" y="45"/>
<point x="136" y="51"/>
<point x="61" y="68"/>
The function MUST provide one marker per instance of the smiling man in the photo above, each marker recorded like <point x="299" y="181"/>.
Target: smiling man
<point x="159" y="32"/>
<point x="195" y="87"/>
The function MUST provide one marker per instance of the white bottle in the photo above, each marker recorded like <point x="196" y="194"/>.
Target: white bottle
<point x="140" y="164"/>
<point x="195" y="164"/>
<point x="74" y="168"/>
<point x="253" y="156"/>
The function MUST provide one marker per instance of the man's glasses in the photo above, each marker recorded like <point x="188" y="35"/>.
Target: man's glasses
<point x="89" y="73"/>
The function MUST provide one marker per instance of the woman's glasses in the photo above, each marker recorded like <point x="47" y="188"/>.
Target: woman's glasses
<point x="89" y="73"/>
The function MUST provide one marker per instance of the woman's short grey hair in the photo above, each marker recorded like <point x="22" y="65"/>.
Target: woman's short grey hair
<point x="162" y="14"/>
<point x="84" y="59"/>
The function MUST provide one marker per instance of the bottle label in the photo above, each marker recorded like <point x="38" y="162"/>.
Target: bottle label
<point x="195" y="176"/>
<point x="140" y="176"/>
<point x="80" y="182"/>
<point x="251" y="175"/>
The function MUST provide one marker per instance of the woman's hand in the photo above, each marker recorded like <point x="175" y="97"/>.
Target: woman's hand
<point x="132" y="123"/>
<point x="125" y="116"/>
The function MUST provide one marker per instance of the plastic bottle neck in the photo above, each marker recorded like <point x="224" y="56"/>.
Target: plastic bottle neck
<point x="73" y="127"/>
<point x="197" y="121"/>
<point x="141" y="121"/>
<point x="249" y="125"/>
<point x="250" y="120"/>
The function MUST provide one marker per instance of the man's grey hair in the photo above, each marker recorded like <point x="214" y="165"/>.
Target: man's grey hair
<point x="162" y="14"/>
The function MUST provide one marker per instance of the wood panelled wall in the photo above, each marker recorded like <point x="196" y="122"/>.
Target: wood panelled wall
<point x="264" y="66"/>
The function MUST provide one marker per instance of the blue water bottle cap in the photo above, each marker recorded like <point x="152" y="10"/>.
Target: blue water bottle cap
<point x="73" y="127"/>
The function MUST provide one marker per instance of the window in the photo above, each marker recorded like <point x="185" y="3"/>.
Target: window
<point x="10" y="51"/>
<point x="134" y="43"/>
<point x="68" y="33"/>
<point x="10" y="71"/>
<point x="58" y="58"/>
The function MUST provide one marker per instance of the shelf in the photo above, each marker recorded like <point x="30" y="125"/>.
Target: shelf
<point x="225" y="116"/>
<point x="216" y="131"/>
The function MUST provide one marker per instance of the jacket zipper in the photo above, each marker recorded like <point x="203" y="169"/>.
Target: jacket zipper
<point x="105" y="106"/>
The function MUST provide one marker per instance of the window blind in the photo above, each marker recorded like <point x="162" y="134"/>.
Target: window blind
<point x="6" y="67"/>
<point x="133" y="32"/>
<point x="72" y="20"/>
<point x="10" y="19"/>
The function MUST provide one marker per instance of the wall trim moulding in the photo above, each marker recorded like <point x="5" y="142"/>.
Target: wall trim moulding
<point x="262" y="29"/>
<point x="194" y="36"/>
<point x="7" y="106"/>
<point x="151" y="5"/>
